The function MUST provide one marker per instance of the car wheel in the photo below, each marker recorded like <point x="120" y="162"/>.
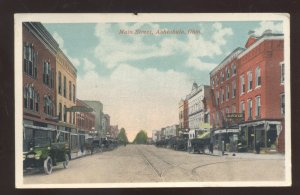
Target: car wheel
<point x="66" y="162"/>
<point x="48" y="166"/>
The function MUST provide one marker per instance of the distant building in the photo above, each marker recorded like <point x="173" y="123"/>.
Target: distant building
<point x="183" y="114"/>
<point x="98" y="108"/>
<point x="197" y="107"/>
<point x="114" y="131"/>
<point x="106" y="123"/>
<point x="171" y="131"/>
<point x="85" y="120"/>
<point x="155" y="135"/>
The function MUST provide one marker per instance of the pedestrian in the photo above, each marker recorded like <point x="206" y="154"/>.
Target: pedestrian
<point x="257" y="147"/>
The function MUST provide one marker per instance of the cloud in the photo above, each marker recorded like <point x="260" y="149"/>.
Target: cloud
<point x="114" y="50"/>
<point x="276" y="27"/>
<point x="88" y="65"/>
<point x="60" y="41"/>
<point x="200" y="65"/>
<point x="137" y="99"/>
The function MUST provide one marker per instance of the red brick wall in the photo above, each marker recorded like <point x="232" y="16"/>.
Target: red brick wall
<point x="85" y="120"/>
<point x="42" y="89"/>
<point x="267" y="56"/>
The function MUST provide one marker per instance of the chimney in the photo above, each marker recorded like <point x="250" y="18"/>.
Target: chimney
<point x="251" y="33"/>
<point x="251" y="38"/>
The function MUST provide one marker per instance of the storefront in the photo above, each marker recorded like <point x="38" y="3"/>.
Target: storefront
<point x="228" y="137"/>
<point x="264" y="133"/>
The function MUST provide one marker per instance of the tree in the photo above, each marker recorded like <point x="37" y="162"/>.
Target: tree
<point x="122" y="136"/>
<point x="141" y="137"/>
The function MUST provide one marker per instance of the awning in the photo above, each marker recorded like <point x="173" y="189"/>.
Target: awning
<point x="204" y="135"/>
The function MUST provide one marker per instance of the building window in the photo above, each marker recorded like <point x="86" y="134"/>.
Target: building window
<point x="70" y="117"/>
<point x="233" y="89"/>
<point x="59" y="83"/>
<point x="223" y="96"/>
<point x="74" y="94"/>
<point x="249" y="80"/>
<point x="31" y="99"/>
<point x="282" y="104"/>
<point x="242" y="108"/>
<point x="65" y="114"/>
<point x="217" y="98"/>
<point x="65" y="86"/>
<point x="257" y="77"/>
<point x="30" y="60"/>
<point x="227" y="92"/>
<point x="242" y="84"/>
<point x="47" y="74"/>
<point x="258" y="106"/>
<point x="227" y="73"/>
<point x="233" y="109"/>
<point x="48" y="105"/>
<point x="282" y="73"/>
<point x="60" y="112"/>
<point x="233" y="67"/>
<point x="222" y="77"/>
<point x="249" y="109"/>
<point x="70" y="91"/>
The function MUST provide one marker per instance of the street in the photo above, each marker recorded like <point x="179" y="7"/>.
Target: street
<point x="146" y="163"/>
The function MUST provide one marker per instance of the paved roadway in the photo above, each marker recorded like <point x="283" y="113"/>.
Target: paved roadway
<point x="146" y="163"/>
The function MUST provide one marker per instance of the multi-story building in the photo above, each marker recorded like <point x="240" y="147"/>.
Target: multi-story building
<point x="171" y="131"/>
<point x="85" y="120"/>
<point x="66" y="75"/>
<point x="256" y="93"/>
<point x="106" y="123"/>
<point x="39" y="92"/>
<point x="98" y="108"/>
<point x="183" y="114"/>
<point x="155" y="135"/>
<point x="224" y="82"/>
<point x="197" y="107"/>
<point x="113" y="131"/>
<point x="261" y="94"/>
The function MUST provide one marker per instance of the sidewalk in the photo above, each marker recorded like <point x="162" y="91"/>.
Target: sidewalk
<point x="247" y="155"/>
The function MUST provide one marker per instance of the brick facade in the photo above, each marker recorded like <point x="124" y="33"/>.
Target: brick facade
<point x="85" y="120"/>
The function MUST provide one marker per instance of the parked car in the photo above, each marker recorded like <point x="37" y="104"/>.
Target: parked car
<point x="44" y="154"/>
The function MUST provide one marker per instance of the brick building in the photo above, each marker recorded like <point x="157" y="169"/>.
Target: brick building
<point x="85" y="120"/>
<point x="183" y="114"/>
<point x="250" y="82"/>
<point x="39" y="91"/>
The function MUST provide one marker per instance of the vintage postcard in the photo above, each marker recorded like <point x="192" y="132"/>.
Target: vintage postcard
<point x="152" y="100"/>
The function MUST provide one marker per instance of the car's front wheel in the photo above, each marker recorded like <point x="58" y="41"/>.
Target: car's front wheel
<point x="66" y="162"/>
<point x="48" y="166"/>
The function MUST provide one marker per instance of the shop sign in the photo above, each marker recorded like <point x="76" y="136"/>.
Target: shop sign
<point x="79" y="109"/>
<point x="234" y="115"/>
<point x="233" y="130"/>
<point x="220" y="131"/>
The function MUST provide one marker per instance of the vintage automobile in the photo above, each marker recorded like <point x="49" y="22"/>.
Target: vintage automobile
<point x="200" y="143"/>
<point x="44" y="154"/>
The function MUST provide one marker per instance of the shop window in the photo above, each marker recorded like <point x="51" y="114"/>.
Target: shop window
<point x="272" y="136"/>
<point x="249" y="81"/>
<point x="282" y="104"/>
<point x="258" y="77"/>
<point x="30" y="60"/>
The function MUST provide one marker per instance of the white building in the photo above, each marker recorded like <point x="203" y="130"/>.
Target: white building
<point x="197" y="103"/>
<point x="155" y="135"/>
<point x="171" y="131"/>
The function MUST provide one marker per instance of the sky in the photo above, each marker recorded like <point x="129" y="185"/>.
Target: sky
<point x="140" y="78"/>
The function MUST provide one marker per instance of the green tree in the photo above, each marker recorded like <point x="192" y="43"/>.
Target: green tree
<point x="141" y="137"/>
<point x="122" y="136"/>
